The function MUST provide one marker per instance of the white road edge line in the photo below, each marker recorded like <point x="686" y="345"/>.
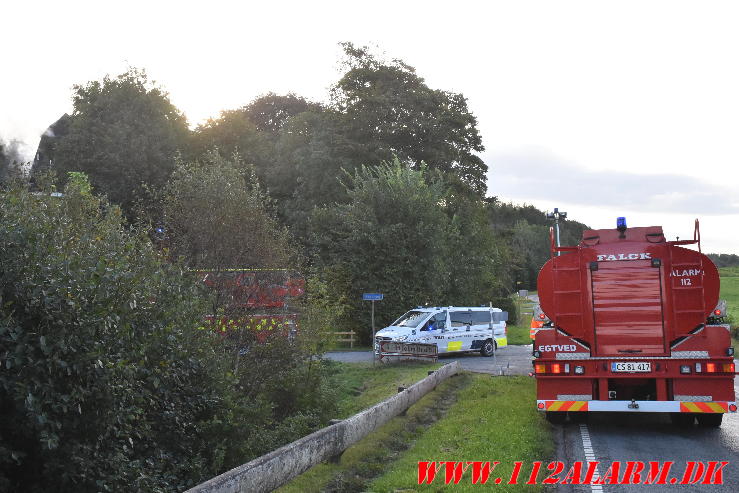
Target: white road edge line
<point x="587" y="447"/>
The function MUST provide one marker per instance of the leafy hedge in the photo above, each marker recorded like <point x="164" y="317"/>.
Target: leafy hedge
<point x="106" y="384"/>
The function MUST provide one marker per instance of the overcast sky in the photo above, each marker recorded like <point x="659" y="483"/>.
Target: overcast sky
<point x="602" y="109"/>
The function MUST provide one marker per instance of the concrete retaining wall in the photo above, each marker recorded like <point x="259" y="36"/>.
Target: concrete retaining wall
<point x="278" y="467"/>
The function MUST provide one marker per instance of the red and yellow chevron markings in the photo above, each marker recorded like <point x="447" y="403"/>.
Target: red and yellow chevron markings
<point x="567" y="406"/>
<point x="704" y="407"/>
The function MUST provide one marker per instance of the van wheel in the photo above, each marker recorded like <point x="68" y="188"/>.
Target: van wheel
<point x="710" y="420"/>
<point x="488" y="348"/>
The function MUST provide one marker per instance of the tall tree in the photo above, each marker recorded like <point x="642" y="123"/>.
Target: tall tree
<point x="402" y="233"/>
<point x="216" y="217"/>
<point x="389" y="108"/>
<point x="124" y="133"/>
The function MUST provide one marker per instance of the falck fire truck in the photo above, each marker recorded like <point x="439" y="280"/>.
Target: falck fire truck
<point x="634" y="329"/>
<point x="263" y="301"/>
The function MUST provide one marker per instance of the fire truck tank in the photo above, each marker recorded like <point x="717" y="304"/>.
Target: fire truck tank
<point x="628" y="291"/>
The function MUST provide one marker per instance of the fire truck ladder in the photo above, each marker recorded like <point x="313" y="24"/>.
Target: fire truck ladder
<point x="569" y="276"/>
<point x="697" y="289"/>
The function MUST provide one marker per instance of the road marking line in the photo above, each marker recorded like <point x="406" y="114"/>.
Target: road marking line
<point x="587" y="447"/>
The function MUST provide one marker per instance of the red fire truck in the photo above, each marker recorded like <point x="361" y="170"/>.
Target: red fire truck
<point x="634" y="329"/>
<point x="262" y="301"/>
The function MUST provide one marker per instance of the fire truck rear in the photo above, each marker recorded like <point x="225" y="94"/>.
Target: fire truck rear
<point x="634" y="329"/>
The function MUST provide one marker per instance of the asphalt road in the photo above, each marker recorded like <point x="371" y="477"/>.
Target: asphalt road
<point x="650" y="437"/>
<point x="510" y="360"/>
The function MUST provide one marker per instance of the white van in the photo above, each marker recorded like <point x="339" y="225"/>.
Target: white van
<point x="451" y="328"/>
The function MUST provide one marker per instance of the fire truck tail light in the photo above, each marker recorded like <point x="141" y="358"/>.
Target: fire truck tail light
<point x="541" y="405"/>
<point x="732" y="408"/>
<point x="579" y="370"/>
<point x="684" y="368"/>
<point x="710" y="367"/>
<point x="556" y="368"/>
<point x="540" y="368"/>
<point x="729" y="367"/>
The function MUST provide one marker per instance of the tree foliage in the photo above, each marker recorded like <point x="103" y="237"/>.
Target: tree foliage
<point x="391" y="111"/>
<point x="124" y="133"/>
<point x="378" y="109"/>
<point x="215" y="216"/>
<point x="399" y="235"/>
<point x="106" y="384"/>
<point x="216" y="220"/>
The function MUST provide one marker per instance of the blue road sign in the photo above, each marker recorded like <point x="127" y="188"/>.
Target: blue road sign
<point x="371" y="296"/>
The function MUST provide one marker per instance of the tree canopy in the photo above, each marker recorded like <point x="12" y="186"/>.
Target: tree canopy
<point x="124" y="133"/>
<point x="399" y="235"/>
<point x="389" y="108"/>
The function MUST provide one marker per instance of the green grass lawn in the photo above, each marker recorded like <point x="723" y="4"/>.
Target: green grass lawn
<point x="518" y="334"/>
<point x="468" y="417"/>
<point x="730" y="293"/>
<point x="494" y="419"/>
<point x="360" y="385"/>
<point x="730" y="287"/>
<point x="369" y="457"/>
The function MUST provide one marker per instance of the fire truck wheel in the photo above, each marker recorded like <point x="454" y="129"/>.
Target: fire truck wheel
<point x="712" y="420"/>
<point x="683" y="420"/>
<point x="556" y="417"/>
<point x="488" y="348"/>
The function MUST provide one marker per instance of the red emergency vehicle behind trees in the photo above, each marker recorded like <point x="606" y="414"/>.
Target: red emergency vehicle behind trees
<point x="633" y="329"/>
<point x="259" y="301"/>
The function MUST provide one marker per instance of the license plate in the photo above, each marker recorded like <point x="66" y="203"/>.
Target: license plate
<point x="631" y="367"/>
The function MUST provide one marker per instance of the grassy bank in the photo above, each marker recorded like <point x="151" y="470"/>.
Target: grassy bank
<point x="518" y="333"/>
<point x="360" y="385"/>
<point x="494" y="419"/>
<point x="468" y="417"/>
<point x="730" y="293"/>
<point x="369" y="457"/>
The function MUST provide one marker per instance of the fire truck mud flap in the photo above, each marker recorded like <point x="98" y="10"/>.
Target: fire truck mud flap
<point x="637" y="406"/>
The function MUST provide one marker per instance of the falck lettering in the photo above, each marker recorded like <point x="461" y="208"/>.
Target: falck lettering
<point x="624" y="256"/>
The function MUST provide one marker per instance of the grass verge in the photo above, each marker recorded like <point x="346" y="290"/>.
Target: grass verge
<point x="469" y="417"/>
<point x="730" y="293"/>
<point x="368" y="458"/>
<point x="518" y="334"/>
<point x="494" y="419"/>
<point x="360" y="385"/>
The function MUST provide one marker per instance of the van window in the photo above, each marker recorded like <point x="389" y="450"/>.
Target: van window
<point x="411" y="319"/>
<point x="440" y="321"/>
<point x="437" y="322"/>
<point x="480" y="318"/>
<point x="460" y="319"/>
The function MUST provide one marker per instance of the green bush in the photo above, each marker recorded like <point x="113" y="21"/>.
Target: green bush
<point x="507" y="304"/>
<point x="106" y="383"/>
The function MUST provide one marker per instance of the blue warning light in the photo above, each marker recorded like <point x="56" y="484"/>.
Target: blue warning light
<point x="621" y="224"/>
